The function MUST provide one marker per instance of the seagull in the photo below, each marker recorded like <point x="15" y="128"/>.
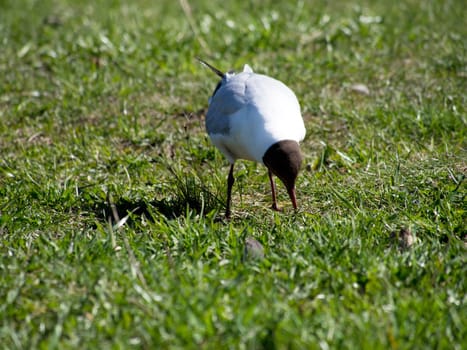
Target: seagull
<point x="255" y="117"/>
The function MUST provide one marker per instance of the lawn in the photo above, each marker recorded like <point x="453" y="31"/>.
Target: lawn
<point x="112" y="197"/>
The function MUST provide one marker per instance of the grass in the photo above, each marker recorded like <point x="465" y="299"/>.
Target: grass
<point x="112" y="196"/>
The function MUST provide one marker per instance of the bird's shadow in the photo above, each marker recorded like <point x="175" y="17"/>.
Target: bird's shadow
<point x="124" y="207"/>
<point x="178" y="204"/>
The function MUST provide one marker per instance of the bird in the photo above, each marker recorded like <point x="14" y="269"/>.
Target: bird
<point x="255" y="117"/>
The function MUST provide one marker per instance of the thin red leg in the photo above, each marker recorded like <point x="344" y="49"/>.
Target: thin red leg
<point x="293" y="198"/>
<point x="273" y="191"/>
<point x="230" y="182"/>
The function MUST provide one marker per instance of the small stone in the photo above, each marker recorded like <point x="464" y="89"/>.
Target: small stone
<point x="360" y="88"/>
<point x="404" y="238"/>
<point x="253" y="249"/>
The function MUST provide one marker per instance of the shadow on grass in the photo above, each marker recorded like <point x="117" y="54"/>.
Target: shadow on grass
<point x="123" y="207"/>
<point x="170" y="208"/>
<point x="184" y="194"/>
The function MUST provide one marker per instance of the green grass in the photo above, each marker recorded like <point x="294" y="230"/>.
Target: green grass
<point x="112" y="196"/>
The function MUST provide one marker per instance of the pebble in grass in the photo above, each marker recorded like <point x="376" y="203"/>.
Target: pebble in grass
<point x="405" y="238"/>
<point x="253" y="250"/>
<point x="360" y="88"/>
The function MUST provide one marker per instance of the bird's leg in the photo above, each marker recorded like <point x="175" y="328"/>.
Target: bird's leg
<point x="292" y="196"/>
<point x="230" y="182"/>
<point x="273" y="191"/>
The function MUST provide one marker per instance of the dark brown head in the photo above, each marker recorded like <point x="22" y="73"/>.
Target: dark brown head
<point x="284" y="160"/>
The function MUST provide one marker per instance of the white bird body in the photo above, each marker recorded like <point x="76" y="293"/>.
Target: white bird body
<point x="255" y="117"/>
<point x="249" y="112"/>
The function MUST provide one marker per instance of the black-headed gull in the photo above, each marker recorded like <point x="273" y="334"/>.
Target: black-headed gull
<point x="255" y="117"/>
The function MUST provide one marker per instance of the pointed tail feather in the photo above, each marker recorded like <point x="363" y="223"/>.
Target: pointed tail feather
<point x="214" y="69"/>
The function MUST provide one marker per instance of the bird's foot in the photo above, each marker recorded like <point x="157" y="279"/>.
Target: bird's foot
<point x="275" y="207"/>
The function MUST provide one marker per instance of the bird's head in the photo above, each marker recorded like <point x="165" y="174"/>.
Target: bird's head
<point x="284" y="160"/>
